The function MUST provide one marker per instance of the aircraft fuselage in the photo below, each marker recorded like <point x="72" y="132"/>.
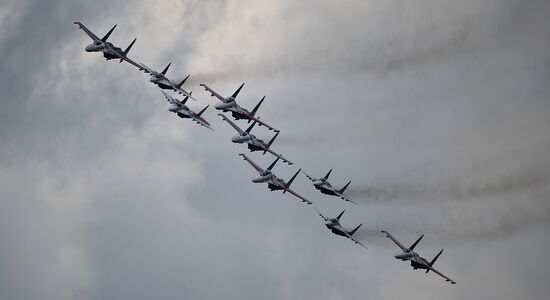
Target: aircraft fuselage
<point x="161" y="81"/>
<point x="263" y="178"/>
<point x="417" y="262"/>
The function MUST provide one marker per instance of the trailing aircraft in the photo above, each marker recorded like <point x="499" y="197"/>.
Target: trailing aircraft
<point x="160" y="79"/>
<point x="274" y="183"/>
<point x="179" y="108"/>
<point x="417" y="262"/>
<point x="325" y="187"/>
<point x="333" y="224"/>
<point x="108" y="49"/>
<point x="254" y="143"/>
<point x="230" y="104"/>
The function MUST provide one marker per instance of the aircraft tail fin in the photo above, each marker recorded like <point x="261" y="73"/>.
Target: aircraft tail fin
<point x="434" y="259"/>
<point x="128" y="48"/>
<point x="165" y="69"/>
<point x="354" y="230"/>
<point x="340" y="215"/>
<point x="416" y="243"/>
<point x="273" y="164"/>
<point x="272" y="140"/>
<point x="104" y="39"/>
<point x="249" y="129"/>
<point x="341" y="191"/>
<point x="202" y="111"/>
<point x="184" y="100"/>
<point x="182" y="82"/>
<point x="328" y="174"/>
<point x="255" y="109"/>
<point x="292" y="178"/>
<point x="237" y="91"/>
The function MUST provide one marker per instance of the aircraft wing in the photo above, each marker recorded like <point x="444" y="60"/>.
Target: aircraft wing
<point x="321" y="215"/>
<point x="355" y="241"/>
<point x="252" y="118"/>
<point x="171" y="99"/>
<point x="146" y="69"/>
<point x="231" y="123"/>
<point x="181" y="91"/>
<point x="201" y="121"/>
<point x="347" y="199"/>
<point x="442" y="275"/>
<point x="309" y="177"/>
<point x="279" y="156"/>
<point x="87" y="31"/>
<point x="295" y="194"/>
<point x="253" y="164"/>
<point x="126" y="59"/>
<point x="212" y="92"/>
<point x="394" y="240"/>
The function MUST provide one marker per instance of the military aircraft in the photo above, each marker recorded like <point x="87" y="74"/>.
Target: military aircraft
<point x="325" y="187"/>
<point x="274" y="183"/>
<point x="333" y="224"/>
<point x="254" y="143"/>
<point x="229" y="104"/>
<point x="109" y="50"/>
<point x="417" y="262"/>
<point x="179" y="108"/>
<point x="160" y="79"/>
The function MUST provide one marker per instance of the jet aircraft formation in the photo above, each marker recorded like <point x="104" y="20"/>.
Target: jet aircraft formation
<point x="229" y="104"/>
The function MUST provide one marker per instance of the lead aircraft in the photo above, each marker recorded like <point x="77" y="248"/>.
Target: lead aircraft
<point x="179" y="108"/>
<point x="254" y="143"/>
<point x="333" y="224"/>
<point x="417" y="262"/>
<point x="108" y="49"/>
<point x="274" y="183"/>
<point x="230" y="104"/>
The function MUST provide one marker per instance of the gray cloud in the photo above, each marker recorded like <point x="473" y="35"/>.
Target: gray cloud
<point x="436" y="110"/>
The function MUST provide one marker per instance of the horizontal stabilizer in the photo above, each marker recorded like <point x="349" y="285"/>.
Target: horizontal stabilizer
<point x="354" y="230"/>
<point x="104" y="39"/>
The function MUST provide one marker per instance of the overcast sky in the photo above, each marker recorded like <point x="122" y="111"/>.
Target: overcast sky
<point x="438" y="111"/>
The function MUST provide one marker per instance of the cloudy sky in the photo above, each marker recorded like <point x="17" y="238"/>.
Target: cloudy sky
<point x="438" y="111"/>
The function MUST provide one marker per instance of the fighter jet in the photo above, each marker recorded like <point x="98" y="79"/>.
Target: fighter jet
<point x="179" y="108"/>
<point x="417" y="262"/>
<point x="325" y="187"/>
<point x="108" y="49"/>
<point x="333" y="224"/>
<point x="254" y="143"/>
<point x="229" y="104"/>
<point x="274" y="183"/>
<point x="163" y="82"/>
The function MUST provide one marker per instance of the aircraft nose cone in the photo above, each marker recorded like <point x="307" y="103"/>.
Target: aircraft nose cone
<point x="89" y="48"/>
<point x="236" y="139"/>
<point x="219" y="105"/>
<point x="257" y="179"/>
<point x="152" y="79"/>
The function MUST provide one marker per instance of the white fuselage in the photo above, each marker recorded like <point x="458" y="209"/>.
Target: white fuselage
<point x="228" y="104"/>
<point x="180" y="109"/>
<point x="322" y="183"/>
<point x="267" y="177"/>
<point x="95" y="47"/>
<point x="241" y="138"/>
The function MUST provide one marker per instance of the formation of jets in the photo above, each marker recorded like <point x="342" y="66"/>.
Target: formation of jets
<point x="253" y="143"/>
